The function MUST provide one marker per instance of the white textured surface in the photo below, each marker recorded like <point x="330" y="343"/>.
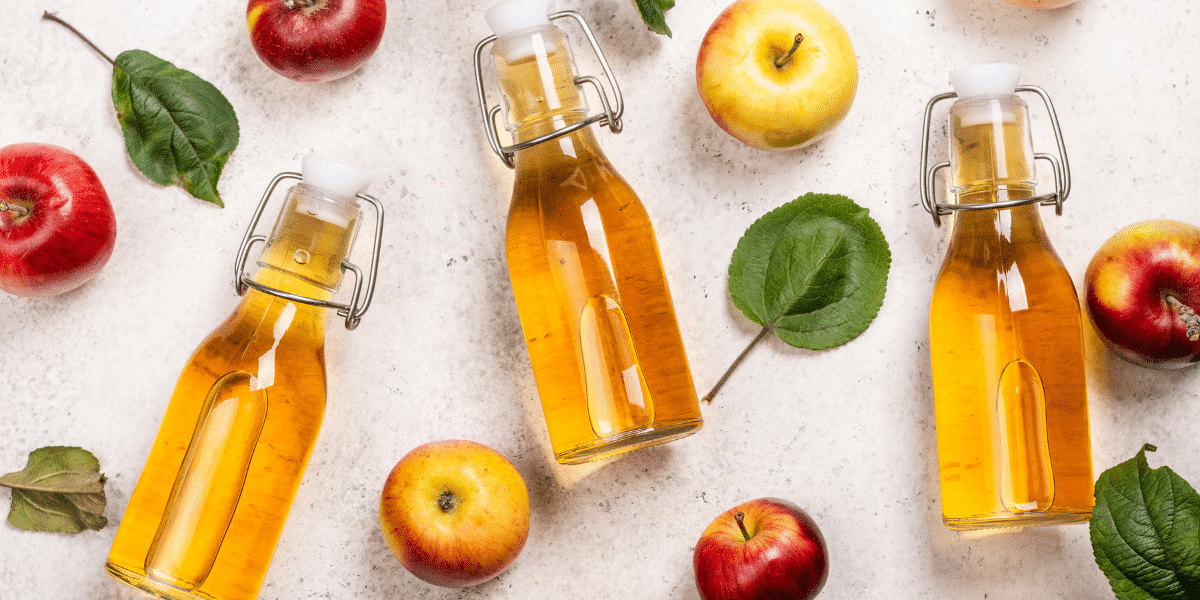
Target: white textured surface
<point x="846" y="433"/>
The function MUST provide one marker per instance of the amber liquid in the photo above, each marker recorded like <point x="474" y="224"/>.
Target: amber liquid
<point x="595" y="310"/>
<point x="1007" y="352"/>
<point x="209" y="507"/>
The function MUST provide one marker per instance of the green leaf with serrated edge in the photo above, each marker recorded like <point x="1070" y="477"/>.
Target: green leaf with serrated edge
<point x="813" y="270"/>
<point x="179" y="129"/>
<point x="1145" y="531"/>
<point x="61" y="489"/>
<point x="653" y="14"/>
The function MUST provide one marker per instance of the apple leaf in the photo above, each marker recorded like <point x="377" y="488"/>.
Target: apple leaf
<point x="653" y="14"/>
<point x="1145" y="531"/>
<point x="179" y="129"/>
<point x="61" y="489"/>
<point x="813" y="272"/>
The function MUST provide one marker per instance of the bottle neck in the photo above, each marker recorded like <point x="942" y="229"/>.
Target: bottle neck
<point x="311" y="238"/>
<point x="537" y="82"/>
<point x="991" y="154"/>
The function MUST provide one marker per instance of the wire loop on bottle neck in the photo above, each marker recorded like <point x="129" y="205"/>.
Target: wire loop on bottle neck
<point x="361" y="298"/>
<point x="1060" y="168"/>
<point x="611" y="117"/>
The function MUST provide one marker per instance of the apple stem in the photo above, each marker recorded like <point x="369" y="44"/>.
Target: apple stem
<point x="708" y="398"/>
<point x="741" y="521"/>
<point x="20" y="210"/>
<point x="783" y="60"/>
<point x="53" y="17"/>
<point x="447" y="501"/>
<point x="1186" y="314"/>
<point x="293" y="4"/>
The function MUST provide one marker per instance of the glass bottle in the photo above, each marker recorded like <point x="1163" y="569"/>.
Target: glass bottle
<point x="1005" y="329"/>
<point x="209" y="507"/>
<point x="593" y="301"/>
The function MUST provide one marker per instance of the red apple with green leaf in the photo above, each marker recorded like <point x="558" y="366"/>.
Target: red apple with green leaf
<point x="314" y="41"/>
<point x="1142" y="290"/>
<point x="764" y="549"/>
<point x="57" y="227"/>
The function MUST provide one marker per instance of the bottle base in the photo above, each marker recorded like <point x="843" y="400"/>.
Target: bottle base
<point x="152" y="586"/>
<point x="1006" y="520"/>
<point x="630" y="440"/>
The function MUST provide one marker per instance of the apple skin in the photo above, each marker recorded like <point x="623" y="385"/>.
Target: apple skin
<point x="784" y="557"/>
<point x="1041" y="4"/>
<point x="314" y="41"/>
<point x="474" y="540"/>
<point x="769" y="107"/>
<point x="1127" y="287"/>
<point x="70" y="229"/>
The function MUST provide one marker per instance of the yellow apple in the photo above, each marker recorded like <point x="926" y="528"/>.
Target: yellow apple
<point x="1041" y="4"/>
<point x="455" y="513"/>
<point x="777" y="74"/>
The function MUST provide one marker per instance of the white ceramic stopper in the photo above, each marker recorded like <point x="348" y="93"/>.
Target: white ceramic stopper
<point x="333" y="177"/>
<point x="511" y="15"/>
<point x="991" y="79"/>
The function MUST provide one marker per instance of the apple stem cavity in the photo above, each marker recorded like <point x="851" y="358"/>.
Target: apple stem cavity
<point x="708" y="398"/>
<point x="783" y="60"/>
<point x="447" y="501"/>
<point x="741" y="521"/>
<point x="53" y="17"/>
<point x="16" y="208"/>
<point x="1186" y="314"/>
<point x="301" y="4"/>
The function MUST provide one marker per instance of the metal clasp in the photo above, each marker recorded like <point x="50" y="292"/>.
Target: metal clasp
<point x="611" y="117"/>
<point x="1061" y="170"/>
<point x="361" y="299"/>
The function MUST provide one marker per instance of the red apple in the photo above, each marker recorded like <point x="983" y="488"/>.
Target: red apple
<point x="777" y="74"/>
<point x="455" y="513"/>
<point x="1143" y="292"/>
<point x="764" y="549"/>
<point x="57" y="227"/>
<point x="315" y="40"/>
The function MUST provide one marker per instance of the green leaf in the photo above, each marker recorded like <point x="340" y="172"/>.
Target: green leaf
<point x="652" y="12"/>
<point x="61" y="489"/>
<point x="1145" y="531"/>
<point x="813" y="270"/>
<point x="179" y="129"/>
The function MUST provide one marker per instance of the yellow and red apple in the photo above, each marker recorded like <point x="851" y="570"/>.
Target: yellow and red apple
<point x="1142" y="291"/>
<point x="777" y="74"/>
<point x="455" y="513"/>
<point x="763" y="549"/>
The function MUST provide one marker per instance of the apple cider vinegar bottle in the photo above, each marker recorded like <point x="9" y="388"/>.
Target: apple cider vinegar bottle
<point x="1005" y="331"/>
<point x="210" y="504"/>
<point x="596" y="314"/>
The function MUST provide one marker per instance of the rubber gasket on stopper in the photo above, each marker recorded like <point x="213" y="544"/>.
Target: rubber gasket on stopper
<point x="333" y="177"/>
<point x="990" y="79"/>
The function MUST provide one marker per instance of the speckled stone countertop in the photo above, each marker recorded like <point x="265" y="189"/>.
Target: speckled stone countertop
<point x="846" y="433"/>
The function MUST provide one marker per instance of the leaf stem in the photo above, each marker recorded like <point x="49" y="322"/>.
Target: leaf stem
<point x="1186" y="314"/>
<point x="53" y="17"/>
<point x="708" y="398"/>
<point x="783" y="60"/>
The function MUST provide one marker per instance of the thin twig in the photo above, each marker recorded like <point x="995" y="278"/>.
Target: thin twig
<point x="720" y="382"/>
<point x="53" y="17"/>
